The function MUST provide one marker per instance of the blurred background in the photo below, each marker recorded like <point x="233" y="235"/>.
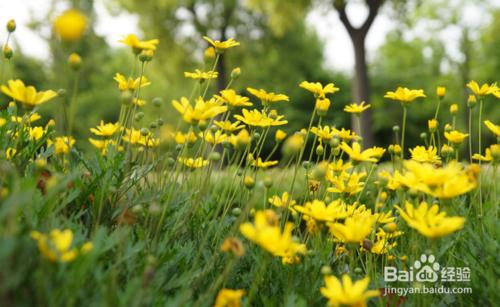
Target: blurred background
<point x="365" y="47"/>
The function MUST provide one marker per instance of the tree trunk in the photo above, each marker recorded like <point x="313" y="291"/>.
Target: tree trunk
<point x="361" y="89"/>
<point x="361" y="86"/>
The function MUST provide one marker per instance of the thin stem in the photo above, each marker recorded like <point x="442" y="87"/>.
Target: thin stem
<point x="405" y="109"/>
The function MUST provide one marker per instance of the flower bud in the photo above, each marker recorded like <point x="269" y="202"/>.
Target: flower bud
<point x="138" y="116"/>
<point x="432" y="124"/>
<point x="395" y="128"/>
<point x="235" y="73"/>
<point x="326" y="270"/>
<point x="454" y="108"/>
<point x="471" y="101"/>
<point x="268" y="182"/>
<point x="306" y="164"/>
<point x="74" y="61"/>
<point x="61" y="92"/>
<point x="157" y="101"/>
<point x="7" y="52"/>
<point x="249" y="182"/>
<point x="146" y="55"/>
<point x="280" y="135"/>
<point x="202" y="125"/>
<point x="214" y="156"/>
<point x="423" y="135"/>
<point x="441" y="91"/>
<point x="160" y="122"/>
<point x="390" y="227"/>
<point x="126" y="97"/>
<point x="144" y="131"/>
<point x="236" y="211"/>
<point x="320" y="150"/>
<point x="209" y="53"/>
<point x="334" y="142"/>
<point x="11" y="25"/>
<point x="448" y="127"/>
<point x="153" y="125"/>
<point x="322" y="106"/>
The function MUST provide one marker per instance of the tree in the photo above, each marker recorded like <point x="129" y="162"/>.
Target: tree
<point x="361" y="87"/>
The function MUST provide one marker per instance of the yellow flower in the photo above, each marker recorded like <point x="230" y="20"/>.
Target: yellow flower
<point x="347" y="293"/>
<point x="135" y="137"/>
<point x="319" y="211"/>
<point x="70" y="25"/>
<point x="454" y="108"/>
<point x="229" y="298"/>
<point x="356" y="154"/>
<point x="137" y="45"/>
<point x="429" y="221"/>
<point x="375" y="152"/>
<point x="266" y="232"/>
<point x="441" y="91"/>
<point x="322" y="105"/>
<point x="339" y="166"/>
<point x="432" y="125"/>
<point x="201" y="111"/>
<point x="130" y="84"/>
<point x="422" y="154"/>
<point x="181" y="138"/>
<point x="231" y="98"/>
<point x="3" y="121"/>
<point x="492" y="153"/>
<point x="404" y="95"/>
<point x="103" y="145"/>
<point x="209" y="53"/>
<point x="241" y="140"/>
<point x="31" y="119"/>
<point x="233" y="245"/>
<point x="214" y="139"/>
<point x="354" y="229"/>
<point x="482" y="90"/>
<point x="280" y="135"/>
<point x="293" y="144"/>
<point x="219" y="46"/>
<point x="229" y="127"/>
<point x="139" y="102"/>
<point x="62" y="144"/>
<point x="346" y="183"/>
<point x="345" y="134"/>
<point x="257" y="118"/>
<point x="201" y="75"/>
<point x="283" y="201"/>
<point x="26" y="95"/>
<point x="318" y="89"/>
<point x="440" y="182"/>
<point x="324" y="133"/>
<point x="455" y="136"/>
<point x="493" y="128"/>
<point x="10" y="153"/>
<point x="35" y="133"/>
<point x="193" y="163"/>
<point x="261" y="164"/>
<point x="266" y="97"/>
<point x="105" y="130"/>
<point x="356" y="108"/>
<point x="56" y="246"/>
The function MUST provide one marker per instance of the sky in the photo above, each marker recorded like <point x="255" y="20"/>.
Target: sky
<point x="338" y="50"/>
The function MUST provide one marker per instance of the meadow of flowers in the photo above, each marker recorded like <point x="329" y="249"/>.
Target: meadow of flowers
<point x="200" y="216"/>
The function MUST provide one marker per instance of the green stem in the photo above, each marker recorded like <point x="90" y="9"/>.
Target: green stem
<point x="405" y="109"/>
